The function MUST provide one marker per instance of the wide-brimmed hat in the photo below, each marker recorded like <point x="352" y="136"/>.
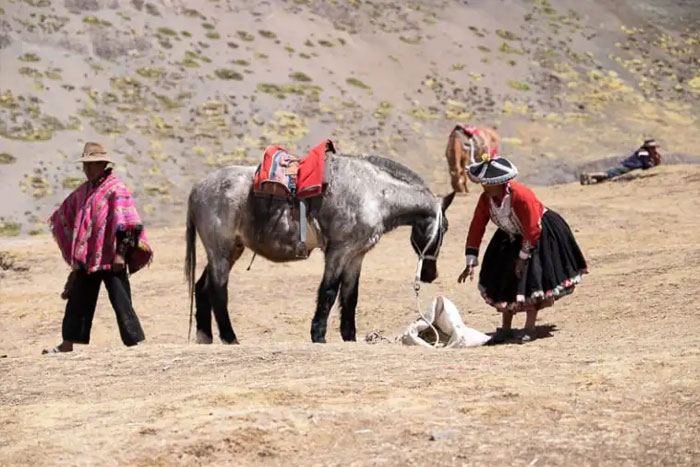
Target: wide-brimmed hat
<point x="650" y="143"/>
<point x="492" y="171"/>
<point x="94" y="152"/>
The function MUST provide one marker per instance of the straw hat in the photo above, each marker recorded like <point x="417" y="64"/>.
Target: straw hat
<point x="94" y="152"/>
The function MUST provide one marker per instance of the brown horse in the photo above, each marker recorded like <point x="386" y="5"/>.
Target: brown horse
<point x="467" y="145"/>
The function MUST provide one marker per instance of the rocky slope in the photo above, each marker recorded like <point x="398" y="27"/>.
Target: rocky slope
<point x="178" y="88"/>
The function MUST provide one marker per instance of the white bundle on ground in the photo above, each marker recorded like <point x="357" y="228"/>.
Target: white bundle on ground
<point x="445" y="318"/>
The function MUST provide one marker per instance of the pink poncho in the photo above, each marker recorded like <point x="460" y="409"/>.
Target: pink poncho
<point x="85" y="226"/>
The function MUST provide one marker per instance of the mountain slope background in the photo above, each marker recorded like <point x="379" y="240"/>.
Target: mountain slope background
<point x="176" y="89"/>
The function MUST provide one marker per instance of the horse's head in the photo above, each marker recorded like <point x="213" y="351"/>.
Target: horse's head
<point x="426" y="238"/>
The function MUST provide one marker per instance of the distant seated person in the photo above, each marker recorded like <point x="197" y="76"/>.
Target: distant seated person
<point x="646" y="157"/>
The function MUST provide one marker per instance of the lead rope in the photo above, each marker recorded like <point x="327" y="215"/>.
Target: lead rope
<point x="416" y="280"/>
<point x="416" y="289"/>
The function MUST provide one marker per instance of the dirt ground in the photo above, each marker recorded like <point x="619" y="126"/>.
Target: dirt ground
<point x="615" y="383"/>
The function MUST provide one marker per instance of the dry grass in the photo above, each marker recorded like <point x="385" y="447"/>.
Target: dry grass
<point x="616" y="384"/>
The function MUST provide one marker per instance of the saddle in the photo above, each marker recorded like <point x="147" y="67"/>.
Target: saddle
<point x="284" y="176"/>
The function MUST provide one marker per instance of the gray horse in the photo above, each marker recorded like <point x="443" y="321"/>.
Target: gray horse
<point x="363" y="198"/>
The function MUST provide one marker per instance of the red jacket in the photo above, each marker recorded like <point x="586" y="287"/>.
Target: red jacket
<point x="518" y="212"/>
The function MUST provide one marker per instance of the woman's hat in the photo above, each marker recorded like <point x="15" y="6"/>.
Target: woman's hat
<point x="94" y="152"/>
<point x="492" y="171"/>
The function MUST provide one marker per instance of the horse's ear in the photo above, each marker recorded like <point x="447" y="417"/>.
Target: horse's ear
<point x="447" y="200"/>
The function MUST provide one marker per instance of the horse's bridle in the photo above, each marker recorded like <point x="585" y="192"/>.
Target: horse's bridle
<point x="436" y="234"/>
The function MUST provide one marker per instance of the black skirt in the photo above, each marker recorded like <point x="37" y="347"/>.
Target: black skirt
<point x="553" y="270"/>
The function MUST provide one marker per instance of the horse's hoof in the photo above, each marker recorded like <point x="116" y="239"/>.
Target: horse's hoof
<point x="202" y="338"/>
<point x="318" y="340"/>
<point x="231" y="342"/>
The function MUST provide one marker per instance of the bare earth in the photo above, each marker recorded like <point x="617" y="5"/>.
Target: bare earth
<point x="616" y="383"/>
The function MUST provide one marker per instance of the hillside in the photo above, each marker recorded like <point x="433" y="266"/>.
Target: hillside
<point x="178" y="88"/>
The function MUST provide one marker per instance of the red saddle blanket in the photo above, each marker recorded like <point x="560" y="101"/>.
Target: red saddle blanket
<point x="285" y="175"/>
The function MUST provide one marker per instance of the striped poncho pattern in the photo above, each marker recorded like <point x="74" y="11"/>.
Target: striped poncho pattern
<point x="85" y="226"/>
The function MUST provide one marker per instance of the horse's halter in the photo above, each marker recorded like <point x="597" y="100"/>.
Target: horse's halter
<point x="436" y="234"/>
<point x="476" y="141"/>
<point x="472" y="150"/>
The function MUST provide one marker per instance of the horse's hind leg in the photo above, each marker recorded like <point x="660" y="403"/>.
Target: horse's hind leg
<point x="349" y="289"/>
<point x="219" y="268"/>
<point x="203" y="314"/>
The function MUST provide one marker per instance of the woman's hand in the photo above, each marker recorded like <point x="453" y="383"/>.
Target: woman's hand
<point x="118" y="264"/>
<point x="520" y="266"/>
<point x="68" y="287"/>
<point x="468" y="272"/>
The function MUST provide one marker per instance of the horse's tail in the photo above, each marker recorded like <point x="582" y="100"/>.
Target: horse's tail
<point x="190" y="258"/>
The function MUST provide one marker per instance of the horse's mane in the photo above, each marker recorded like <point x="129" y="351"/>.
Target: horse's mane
<point x="393" y="168"/>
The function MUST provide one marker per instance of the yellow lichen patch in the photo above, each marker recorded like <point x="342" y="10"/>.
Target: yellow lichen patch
<point x="424" y="113"/>
<point x="512" y="141"/>
<point x="565" y="72"/>
<point x="285" y="126"/>
<point x="7" y="158"/>
<point x="8" y="100"/>
<point x="284" y="90"/>
<point x="71" y="183"/>
<point x="10" y="229"/>
<point x="237" y="156"/>
<point x="456" y="111"/>
<point x="510" y="108"/>
<point x="346" y="145"/>
<point x="519" y="85"/>
<point x="153" y="189"/>
<point x="159" y="156"/>
<point x="211" y="121"/>
<point x="39" y="185"/>
<point x="694" y="84"/>
<point x="252" y="143"/>
<point x="383" y="110"/>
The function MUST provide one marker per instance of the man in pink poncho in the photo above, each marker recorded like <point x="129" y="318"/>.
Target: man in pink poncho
<point x="101" y="237"/>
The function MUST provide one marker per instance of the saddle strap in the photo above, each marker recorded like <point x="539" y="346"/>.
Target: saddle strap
<point x="302" y="250"/>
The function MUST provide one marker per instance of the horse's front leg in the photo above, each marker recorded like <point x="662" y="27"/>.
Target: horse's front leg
<point x="327" y="293"/>
<point x="349" y="289"/>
